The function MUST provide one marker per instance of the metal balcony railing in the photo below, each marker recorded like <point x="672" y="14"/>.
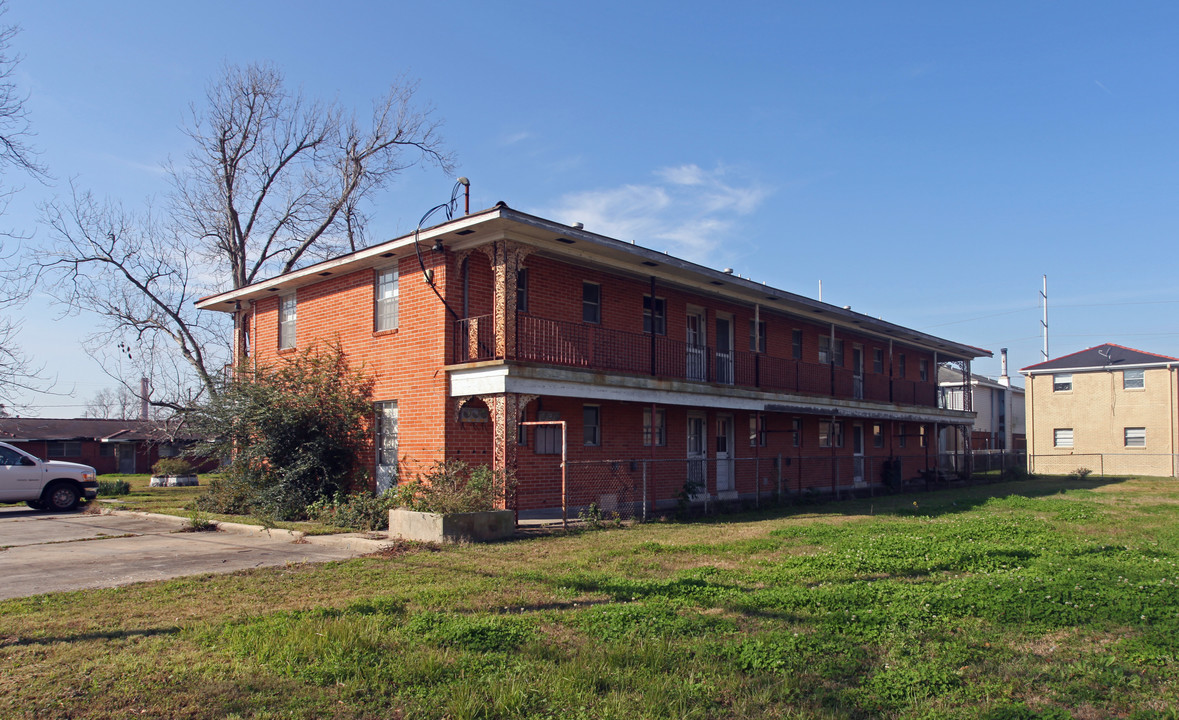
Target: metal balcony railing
<point x="592" y="347"/>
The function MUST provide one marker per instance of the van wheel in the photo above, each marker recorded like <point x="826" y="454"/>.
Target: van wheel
<point x="60" y="497"/>
<point x="35" y="504"/>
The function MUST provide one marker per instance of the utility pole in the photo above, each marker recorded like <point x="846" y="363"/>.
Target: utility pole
<point x="1044" y="322"/>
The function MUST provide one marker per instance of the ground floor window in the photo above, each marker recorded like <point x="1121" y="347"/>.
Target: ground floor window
<point x="1062" y="437"/>
<point x="877" y="435"/>
<point x="830" y="434"/>
<point x="658" y="430"/>
<point x="1135" y="437"/>
<point x="591" y="427"/>
<point x="63" y="448"/>
<point x="757" y="431"/>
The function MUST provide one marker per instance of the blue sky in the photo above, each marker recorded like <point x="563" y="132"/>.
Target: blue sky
<point x="927" y="161"/>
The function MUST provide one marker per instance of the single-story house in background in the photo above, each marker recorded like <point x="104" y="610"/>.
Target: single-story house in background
<point x="110" y="446"/>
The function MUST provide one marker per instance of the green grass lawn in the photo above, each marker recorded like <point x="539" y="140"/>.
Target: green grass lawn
<point x="178" y="501"/>
<point x="1042" y="599"/>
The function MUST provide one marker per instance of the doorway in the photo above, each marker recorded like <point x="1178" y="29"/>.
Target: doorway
<point x="724" y="349"/>
<point x="724" y="456"/>
<point x="695" y="345"/>
<point x="697" y="457"/>
<point x="386" y="445"/>
<point x="858" y="455"/>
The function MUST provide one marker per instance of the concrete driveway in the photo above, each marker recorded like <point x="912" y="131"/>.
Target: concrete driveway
<point x="44" y="552"/>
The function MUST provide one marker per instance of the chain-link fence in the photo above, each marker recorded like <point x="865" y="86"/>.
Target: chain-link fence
<point x="645" y="488"/>
<point x="1105" y="464"/>
<point x="648" y="488"/>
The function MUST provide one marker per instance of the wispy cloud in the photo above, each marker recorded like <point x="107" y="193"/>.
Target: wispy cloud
<point x="687" y="210"/>
<point x="516" y="137"/>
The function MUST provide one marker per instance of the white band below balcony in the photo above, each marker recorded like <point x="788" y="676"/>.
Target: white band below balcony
<point x="496" y="377"/>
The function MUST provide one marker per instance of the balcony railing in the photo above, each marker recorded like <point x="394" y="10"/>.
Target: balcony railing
<point x="555" y="342"/>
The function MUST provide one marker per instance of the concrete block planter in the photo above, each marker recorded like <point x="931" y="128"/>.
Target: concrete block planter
<point x="452" y="527"/>
<point x="173" y="480"/>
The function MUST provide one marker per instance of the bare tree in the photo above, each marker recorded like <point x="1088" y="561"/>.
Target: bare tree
<point x="113" y="404"/>
<point x="273" y="180"/>
<point x="18" y="372"/>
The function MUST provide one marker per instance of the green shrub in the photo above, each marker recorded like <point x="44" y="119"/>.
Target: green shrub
<point x="172" y="466"/>
<point x="455" y="487"/>
<point x="113" y="487"/>
<point x="295" y="431"/>
<point x="361" y="511"/>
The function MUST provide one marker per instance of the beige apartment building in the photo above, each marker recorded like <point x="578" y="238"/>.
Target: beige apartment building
<point x="1109" y="408"/>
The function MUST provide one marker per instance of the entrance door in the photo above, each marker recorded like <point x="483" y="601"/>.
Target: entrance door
<point x="724" y="350"/>
<point x="697" y="457"/>
<point x="858" y="372"/>
<point x="724" y="455"/>
<point x="695" y="342"/>
<point x="858" y="454"/>
<point x="386" y="445"/>
<point x="126" y="455"/>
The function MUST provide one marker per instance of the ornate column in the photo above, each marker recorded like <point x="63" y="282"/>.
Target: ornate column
<point x="505" y="259"/>
<point x="505" y="411"/>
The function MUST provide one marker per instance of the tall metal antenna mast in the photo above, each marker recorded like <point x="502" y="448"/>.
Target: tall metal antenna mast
<point x="1044" y="322"/>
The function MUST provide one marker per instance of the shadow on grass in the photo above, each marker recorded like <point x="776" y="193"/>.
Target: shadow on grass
<point x="918" y="503"/>
<point x="15" y="641"/>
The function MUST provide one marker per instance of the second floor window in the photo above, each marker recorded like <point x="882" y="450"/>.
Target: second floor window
<point x="387" y="298"/>
<point x="522" y="290"/>
<point x="1062" y="382"/>
<point x="878" y="361"/>
<point x="796" y="344"/>
<point x="923" y="369"/>
<point x="654" y="315"/>
<point x="757" y="336"/>
<point x="591" y="302"/>
<point x="829" y="355"/>
<point x="1133" y="379"/>
<point x="901" y="366"/>
<point x="286" y="322"/>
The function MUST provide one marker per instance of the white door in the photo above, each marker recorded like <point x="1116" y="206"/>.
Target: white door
<point x="724" y="454"/>
<point x="695" y="345"/>
<point x="858" y="454"/>
<point x="386" y="445"/>
<point x="724" y="350"/>
<point x="697" y="456"/>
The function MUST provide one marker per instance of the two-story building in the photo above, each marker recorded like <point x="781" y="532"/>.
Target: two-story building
<point x="1111" y="409"/>
<point x="999" y="408"/>
<point x="652" y="369"/>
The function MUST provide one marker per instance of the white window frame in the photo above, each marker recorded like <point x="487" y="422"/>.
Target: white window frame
<point x="1137" y="382"/>
<point x="288" y="313"/>
<point x="1062" y="382"/>
<point x="1063" y="438"/>
<point x="387" y="298"/>
<point x="1134" y="437"/>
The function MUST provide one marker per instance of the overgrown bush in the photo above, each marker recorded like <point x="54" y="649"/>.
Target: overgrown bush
<point x="295" y="432"/>
<point x="360" y="511"/>
<point x="113" y="487"/>
<point x="455" y="487"/>
<point x="1080" y="473"/>
<point x="172" y="466"/>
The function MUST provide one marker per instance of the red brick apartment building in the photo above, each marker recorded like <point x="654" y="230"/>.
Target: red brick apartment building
<point x="662" y="370"/>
